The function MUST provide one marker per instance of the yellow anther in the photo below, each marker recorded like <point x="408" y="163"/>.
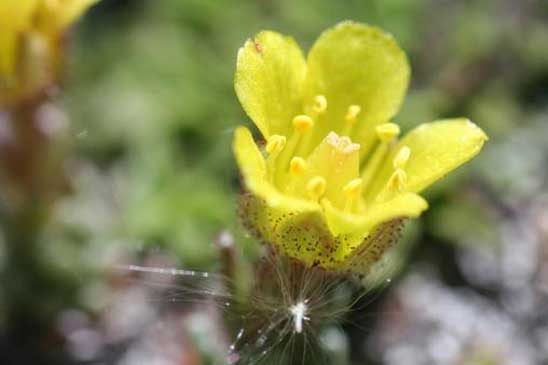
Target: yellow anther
<point x="401" y="158"/>
<point x="275" y="144"/>
<point x="316" y="187"/>
<point x="302" y="123"/>
<point x="297" y="166"/>
<point x="352" y="113"/>
<point x="397" y="180"/>
<point x="320" y="104"/>
<point x="387" y="131"/>
<point x="353" y="188"/>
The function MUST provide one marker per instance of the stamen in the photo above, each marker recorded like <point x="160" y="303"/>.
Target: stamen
<point x="302" y="123"/>
<point x="275" y="144"/>
<point x="320" y="104"/>
<point x="316" y="187"/>
<point x="350" y="118"/>
<point x="352" y="188"/>
<point x="397" y="180"/>
<point x="352" y="191"/>
<point x="387" y="131"/>
<point x="401" y="158"/>
<point x="352" y="113"/>
<point x="298" y="166"/>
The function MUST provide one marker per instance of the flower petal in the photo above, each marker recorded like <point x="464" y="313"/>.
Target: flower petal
<point x="436" y="149"/>
<point x="270" y="72"/>
<point x="249" y="158"/>
<point x="406" y="205"/>
<point x="356" y="64"/>
<point x="15" y="16"/>
<point x="367" y="257"/>
<point x="354" y="230"/>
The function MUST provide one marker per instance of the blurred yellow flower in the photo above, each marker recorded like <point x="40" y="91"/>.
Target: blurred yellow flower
<point x="333" y="178"/>
<point x="30" y="42"/>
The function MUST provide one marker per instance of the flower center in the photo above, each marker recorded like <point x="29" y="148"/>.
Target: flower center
<point x="332" y="170"/>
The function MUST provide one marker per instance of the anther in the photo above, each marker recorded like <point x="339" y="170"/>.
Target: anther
<point x="401" y="158"/>
<point x="302" y="123"/>
<point x="397" y="180"/>
<point x="320" y="104"/>
<point x="316" y="187"/>
<point x="352" y="188"/>
<point x="387" y="131"/>
<point x="352" y="113"/>
<point x="297" y="165"/>
<point x="275" y="144"/>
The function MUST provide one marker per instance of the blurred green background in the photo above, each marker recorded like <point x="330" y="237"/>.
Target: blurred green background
<point x="151" y="109"/>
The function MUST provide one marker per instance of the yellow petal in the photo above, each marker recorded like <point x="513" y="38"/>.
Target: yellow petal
<point x="406" y="205"/>
<point x="367" y="256"/>
<point x="15" y="16"/>
<point x="356" y="64"/>
<point x="249" y="158"/>
<point x="8" y="48"/>
<point x="340" y="222"/>
<point x="269" y="77"/>
<point x="436" y="149"/>
<point x="355" y="228"/>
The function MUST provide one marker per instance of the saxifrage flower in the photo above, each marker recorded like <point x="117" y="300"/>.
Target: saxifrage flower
<point x="333" y="180"/>
<point x="31" y="33"/>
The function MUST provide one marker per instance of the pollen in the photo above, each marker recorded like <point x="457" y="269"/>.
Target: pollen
<point x="352" y="188"/>
<point x="316" y="187"/>
<point x="397" y="180"/>
<point x="275" y="144"/>
<point x="320" y="104"/>
<point x="297" y="166"/>
<point x="302" y="123"/>
<point x="401" y="158"/>
<point x="387" y="131"/>
<point x="352" y="113"/>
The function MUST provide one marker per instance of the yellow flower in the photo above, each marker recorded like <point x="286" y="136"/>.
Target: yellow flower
<point x="30" y="38"/>
<point x="333" y="180"/>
